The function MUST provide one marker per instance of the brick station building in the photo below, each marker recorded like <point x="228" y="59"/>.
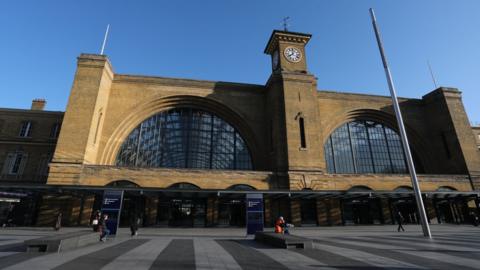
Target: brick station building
<point x="187" y="151"/>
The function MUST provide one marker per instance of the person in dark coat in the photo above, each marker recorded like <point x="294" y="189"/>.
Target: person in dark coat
<point x="474" y="218"/>
<point x="58" y="222"/>
<point x="103" y="228"/>
<point x="400" y="219"/>
<point x="134" y="220"/>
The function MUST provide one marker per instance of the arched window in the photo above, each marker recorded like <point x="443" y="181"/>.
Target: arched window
<point x="186" y="186"/>
<point x="403" y="189"/>
<point x="123" y="183"/>
<point x="185" y="138"/>
<point x="446" y="189"/>
<point x="359" y="189"/>
<point x="364" y="147"/>
<point x="241" y="187"/>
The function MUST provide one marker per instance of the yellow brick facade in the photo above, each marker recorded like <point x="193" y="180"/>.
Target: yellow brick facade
<point x="104" y="107"/>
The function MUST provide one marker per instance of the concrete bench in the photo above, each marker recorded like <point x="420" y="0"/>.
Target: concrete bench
<point x="62" y="242"/>
<point x="287" y="241"/>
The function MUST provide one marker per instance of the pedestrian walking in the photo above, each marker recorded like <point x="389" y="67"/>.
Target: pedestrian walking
<point x="96" y="220"/>
<point x="400" y="219"/>
<point x="104" y="231"/>
<point x="8" y="213"/>
<point x="58" y="222"/>
<point x="474" y="218"/>
<point x="134" y="222"/>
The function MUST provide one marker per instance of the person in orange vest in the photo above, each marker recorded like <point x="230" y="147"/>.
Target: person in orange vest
<point x="279" y="225"/>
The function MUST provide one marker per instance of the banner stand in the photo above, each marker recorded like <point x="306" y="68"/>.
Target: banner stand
<point x="254" y="207"/>
<point x="112" y="206"/>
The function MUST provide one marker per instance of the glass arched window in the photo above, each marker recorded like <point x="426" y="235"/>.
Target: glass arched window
<point x="241" y="187"/>
<point x="186" y="186"/>
<point x="185" y="138"/>
<point x="364" y="147"/>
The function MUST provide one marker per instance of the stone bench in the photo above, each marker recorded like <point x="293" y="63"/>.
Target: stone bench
<point x="287" y="241"/>
<point x="62" y="242"/>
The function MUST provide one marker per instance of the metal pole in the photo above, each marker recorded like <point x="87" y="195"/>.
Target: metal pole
<point x="431" y="74"/>
<point x="105" y="39"/>
<point x="403" y="135"/>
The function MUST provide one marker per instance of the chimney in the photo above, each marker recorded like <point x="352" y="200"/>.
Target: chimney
<point x="38" y="104"/>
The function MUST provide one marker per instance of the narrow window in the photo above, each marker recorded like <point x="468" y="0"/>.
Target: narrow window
<point x="26" y="129"/>
<point x="98" y="125"/>
<point x="271" y="136"/>
<point x="303" y="143"/>
<point x="55" y="131"/>
<point x="18" y="163"/>
<point x="445" y="145"/>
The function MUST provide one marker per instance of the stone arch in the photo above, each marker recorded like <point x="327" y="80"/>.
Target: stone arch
<point x="446" y="189"/>
<point x="123" y="184"/>
<point x="184" y="185"/>
<point x="417" y="144"/>
<point x="359" y="188"/>
<point x="403" y="189"/>
<point x="164" y="103"/>
<point x="241" y="187"/>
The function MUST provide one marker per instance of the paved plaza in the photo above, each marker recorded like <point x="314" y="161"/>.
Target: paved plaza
<point x="352" y="247"/>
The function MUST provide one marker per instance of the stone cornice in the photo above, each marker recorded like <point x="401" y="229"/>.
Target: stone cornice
<point x="29" y="112"/>
<point x="286" y="37"/>
<point x="124" y="78"/>
<point x="346" y="95"/>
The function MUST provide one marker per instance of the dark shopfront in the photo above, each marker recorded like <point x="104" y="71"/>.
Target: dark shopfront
<point x="362" y="211"/>
<point x="226" y="208"/>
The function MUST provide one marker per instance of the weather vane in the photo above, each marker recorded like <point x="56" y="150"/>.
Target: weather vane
<point x="285" y="23"/>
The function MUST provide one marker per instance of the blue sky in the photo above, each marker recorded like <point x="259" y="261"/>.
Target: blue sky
<point x="224" y="40"/>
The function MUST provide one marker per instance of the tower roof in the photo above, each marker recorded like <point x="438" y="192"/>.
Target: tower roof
<point x="285" y="36"/>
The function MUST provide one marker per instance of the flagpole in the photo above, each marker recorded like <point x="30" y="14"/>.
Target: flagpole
<point x="105" y="39"/>
<point x="403" y="134"/>
<point x="431" y="74"/>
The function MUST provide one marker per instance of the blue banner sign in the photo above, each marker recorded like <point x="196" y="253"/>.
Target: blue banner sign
<point x="254" y="205"/>
<point x="112" y="206"/>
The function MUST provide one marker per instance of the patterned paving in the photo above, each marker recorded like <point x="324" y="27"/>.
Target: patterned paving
<point x="458" y="249"/>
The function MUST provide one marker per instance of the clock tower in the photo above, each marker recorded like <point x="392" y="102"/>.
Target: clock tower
<point x="292" y="109"/>
<point x="287" y="50"/>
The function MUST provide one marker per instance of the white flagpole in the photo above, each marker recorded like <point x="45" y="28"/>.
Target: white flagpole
<point x="105" y="39"/>
<point x="403" y="134"/>
<point x="431" y="74"/>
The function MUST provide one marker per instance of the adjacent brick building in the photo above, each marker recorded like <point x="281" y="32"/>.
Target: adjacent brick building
<point x="476" y="133"/>
<point x="186" y="151"/>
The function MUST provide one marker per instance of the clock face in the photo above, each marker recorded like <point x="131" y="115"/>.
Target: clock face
<point x="292" y="54"/>
<point x="275" y="60"/>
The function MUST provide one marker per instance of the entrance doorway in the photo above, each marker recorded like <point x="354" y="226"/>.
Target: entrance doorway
<point x="451" y="211"/>
<point x="232" y="213"/>
<point x="181" y="212"/>
<point x="133" y="208"/>
<point x="361" y="211"/>
<point x="309" y="212"/>
<point x="408" y="209"/>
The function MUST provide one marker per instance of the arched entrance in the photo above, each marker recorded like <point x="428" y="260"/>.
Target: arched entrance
<point x="405" y="203"/>
<point x="231" y="209"/>
<point x="308" y="211"/>
<point x="450" y="210"/>
<point x="181" y="209"/>
<point x="133" y="205"/>
<point x="360" y="208"/>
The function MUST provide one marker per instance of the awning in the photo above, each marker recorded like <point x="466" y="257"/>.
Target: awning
<point x="233" y="194"/>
